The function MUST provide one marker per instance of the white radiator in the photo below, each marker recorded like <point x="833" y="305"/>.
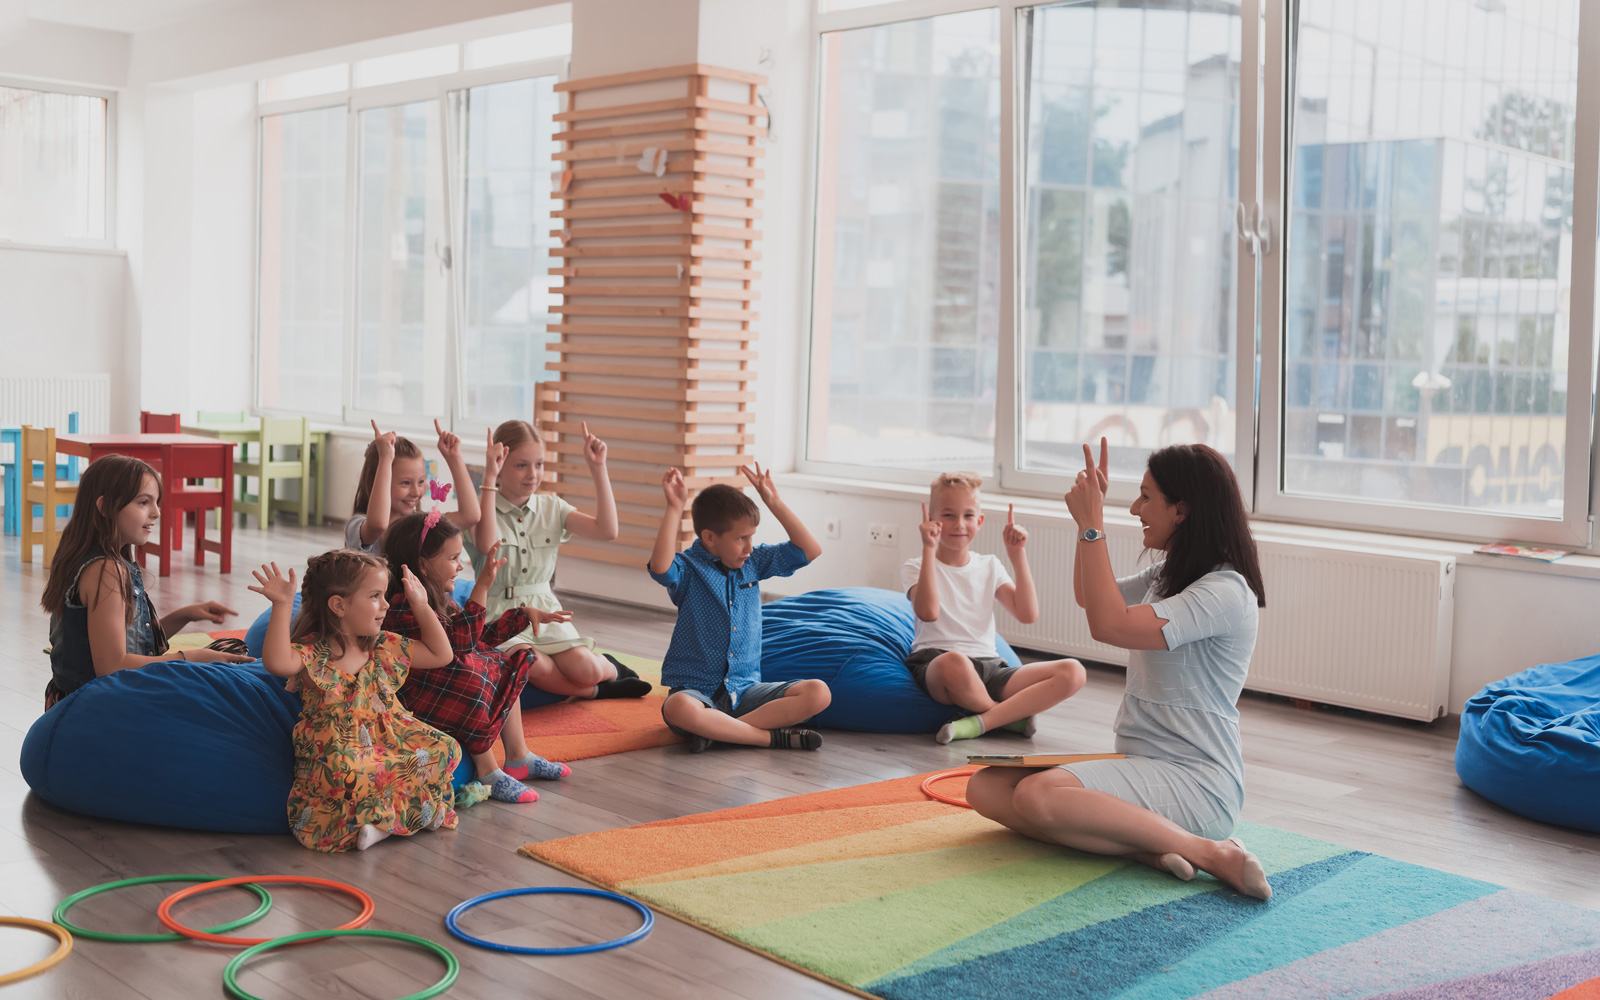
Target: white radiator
<point x="46" y="401"/>
<point x="1364" y="629"/>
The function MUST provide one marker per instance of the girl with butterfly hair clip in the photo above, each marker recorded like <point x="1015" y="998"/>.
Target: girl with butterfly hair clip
<point x="393" y="484"/>
<point x="477" y="698"/>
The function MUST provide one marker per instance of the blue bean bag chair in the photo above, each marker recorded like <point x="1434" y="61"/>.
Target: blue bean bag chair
<point x="203" y="746"/>
<point x="256" y="634"/>
<point x="857" y="640"/>
<point x="1531" y="743"/>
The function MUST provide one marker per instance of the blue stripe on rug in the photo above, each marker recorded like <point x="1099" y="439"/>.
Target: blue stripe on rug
<point x="1208" y="940"/>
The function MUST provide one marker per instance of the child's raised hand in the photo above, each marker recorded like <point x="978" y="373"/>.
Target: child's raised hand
<point x="385" y="442"/>
<point x="494" y="459"/>
<point x="491" y="565"/>
<point x="416" y="593"/>
<point x="929" y="529"/>
<point x="1015" y="535"/>
<point x="274" y="586"/>
<point x="594" y="449"/>
<point x="762" y="481"/>
<point x="673" y="486"/>
<point x="449" y="443"/>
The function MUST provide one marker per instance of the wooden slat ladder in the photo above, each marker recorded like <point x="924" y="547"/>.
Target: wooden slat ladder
<point x="658" y="254"/>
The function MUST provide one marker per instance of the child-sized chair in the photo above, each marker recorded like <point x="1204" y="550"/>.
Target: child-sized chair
<point x="160" y="423"/>
<point x="184" y="465"/>
<point x="49" y="491"/>
<point x="276" y="433"/>
<point x="221" y="417"/>
<point x="11" y="437"/>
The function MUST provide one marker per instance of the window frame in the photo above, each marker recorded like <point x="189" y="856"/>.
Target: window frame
<point x="109" y="241"/>
<point x="356" y="100"/>
<point x="1265" y="148"/>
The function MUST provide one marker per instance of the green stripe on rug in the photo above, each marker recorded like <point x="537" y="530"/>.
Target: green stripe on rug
<point x="747" y="899"/>
<point x="861" y="941"/>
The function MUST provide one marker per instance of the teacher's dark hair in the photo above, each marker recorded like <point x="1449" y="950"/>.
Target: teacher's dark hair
<point x="1215" y="528"/>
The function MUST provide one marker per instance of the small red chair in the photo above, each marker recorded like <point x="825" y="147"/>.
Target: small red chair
<point x="159" y="423"/>
<point x="180" y="464"/>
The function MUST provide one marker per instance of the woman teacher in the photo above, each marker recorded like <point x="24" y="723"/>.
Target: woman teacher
<point x="1189" y="624"/>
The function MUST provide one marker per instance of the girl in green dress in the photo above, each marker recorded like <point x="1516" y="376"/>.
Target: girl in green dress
<point x="365" y="768"/>
<point x="530" y="527"/>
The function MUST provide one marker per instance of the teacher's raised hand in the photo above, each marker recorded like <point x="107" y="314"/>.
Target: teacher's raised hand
<point x="1086" y="500"/>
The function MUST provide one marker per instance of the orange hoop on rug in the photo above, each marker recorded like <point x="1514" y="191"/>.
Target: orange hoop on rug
<point x="164" y="911"/>
<point x="959" y="772"/>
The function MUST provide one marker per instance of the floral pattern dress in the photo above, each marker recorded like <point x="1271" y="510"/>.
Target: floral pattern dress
<point x="360" y="757"/>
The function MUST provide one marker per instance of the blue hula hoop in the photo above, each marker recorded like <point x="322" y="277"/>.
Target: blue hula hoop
<point x="451" y="921"/>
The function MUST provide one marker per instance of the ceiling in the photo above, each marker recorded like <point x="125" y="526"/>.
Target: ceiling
<point x="130" y="16"/>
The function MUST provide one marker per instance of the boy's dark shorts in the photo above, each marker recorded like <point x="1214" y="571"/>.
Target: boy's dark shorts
<point x="750" y="699"/>
<point x="992" y="670"/>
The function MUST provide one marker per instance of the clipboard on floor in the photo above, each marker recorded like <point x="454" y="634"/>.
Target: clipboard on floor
<point x="1037" y="759"/>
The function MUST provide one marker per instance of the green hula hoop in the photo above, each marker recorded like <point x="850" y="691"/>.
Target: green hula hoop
<point x="60" y="915"/>
<point x="451" y="966"/>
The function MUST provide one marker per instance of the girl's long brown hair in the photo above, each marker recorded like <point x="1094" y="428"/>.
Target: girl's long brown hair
<point x="1215" y="529"/>
<point x="403" y="545"/>
<point x="403" y="448"/>
<point x="337" y="572"/>
<point x="108" y="485"/>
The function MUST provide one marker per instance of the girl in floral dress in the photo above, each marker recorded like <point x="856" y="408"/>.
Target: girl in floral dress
<point x="365" y="768"/>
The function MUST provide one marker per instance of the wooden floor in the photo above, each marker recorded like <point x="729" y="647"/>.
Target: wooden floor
<point x="1371" y="784"/>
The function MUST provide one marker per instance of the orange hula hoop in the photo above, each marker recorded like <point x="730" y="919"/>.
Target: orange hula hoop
<point x="164" y="911"/>
<point x="959" y="772"/>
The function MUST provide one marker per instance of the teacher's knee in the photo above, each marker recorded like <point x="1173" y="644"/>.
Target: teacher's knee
<point x="988" y="792"/>
<point x="1039" y="795"/>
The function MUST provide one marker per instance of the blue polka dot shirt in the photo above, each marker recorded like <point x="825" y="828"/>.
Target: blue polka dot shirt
<point x="717" y="641"/>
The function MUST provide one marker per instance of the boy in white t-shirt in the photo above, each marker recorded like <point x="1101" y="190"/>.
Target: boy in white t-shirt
<point x="953" y="590"/>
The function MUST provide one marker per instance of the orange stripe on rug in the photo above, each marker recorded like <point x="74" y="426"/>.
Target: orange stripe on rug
<point x="1587" y="990"/>
<point x="640" y="852"/>
<point x="877" y="793"/>
<point x="575" y="730"/>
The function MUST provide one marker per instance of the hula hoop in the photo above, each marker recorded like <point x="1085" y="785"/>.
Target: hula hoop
<point x="959" y="772"/>
<point x="60" y="915"/>
<point x="164" y="911"/>
<point x="63" y="949"/>
<point x="451" y="921"/>
<point x="451" y="966"/>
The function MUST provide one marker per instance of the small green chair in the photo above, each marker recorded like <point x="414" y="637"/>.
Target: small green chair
<point x="279" y="433"/>
<point x="221" y="417"/>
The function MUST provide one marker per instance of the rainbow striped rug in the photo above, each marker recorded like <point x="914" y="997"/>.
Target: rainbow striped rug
<point x="879" y="890"/>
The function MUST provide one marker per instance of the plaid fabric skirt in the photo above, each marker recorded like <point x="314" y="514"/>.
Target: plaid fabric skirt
<point x="470" y="698"/>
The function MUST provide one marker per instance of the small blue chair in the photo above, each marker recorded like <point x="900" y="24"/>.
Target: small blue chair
<point x="11" y="438"/>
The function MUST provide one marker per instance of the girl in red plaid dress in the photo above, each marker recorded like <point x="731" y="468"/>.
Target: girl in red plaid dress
<point x="475" y="699"/>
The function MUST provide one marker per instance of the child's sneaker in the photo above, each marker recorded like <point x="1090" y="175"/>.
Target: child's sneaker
<point x="795" y="739"/>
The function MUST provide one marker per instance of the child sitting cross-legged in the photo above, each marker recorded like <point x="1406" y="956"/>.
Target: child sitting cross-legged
<point x="477" y="698"/>
<point x="713" y="666"/>
<point x="953" y="591"/>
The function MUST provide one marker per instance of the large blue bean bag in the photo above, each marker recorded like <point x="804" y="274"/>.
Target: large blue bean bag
<point x="857" y="640"/>
<point x="204" y="746"/>
<point x="256" y="635"/>
<point x="1531" y="743"/>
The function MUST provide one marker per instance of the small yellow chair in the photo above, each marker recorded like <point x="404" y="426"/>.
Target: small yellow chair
<point x="279" y="433"/>
<point x="39" y="445"/>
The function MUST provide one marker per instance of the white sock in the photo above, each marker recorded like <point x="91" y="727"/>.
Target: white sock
<point x="368" y="836"/>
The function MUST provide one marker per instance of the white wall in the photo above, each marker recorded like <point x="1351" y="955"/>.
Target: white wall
<point x="61" y="314"/>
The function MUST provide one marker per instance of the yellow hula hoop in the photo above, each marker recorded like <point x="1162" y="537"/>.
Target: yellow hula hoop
<point x="62" y="950"/>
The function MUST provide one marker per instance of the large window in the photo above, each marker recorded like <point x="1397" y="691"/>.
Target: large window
<point x="907" y="333"/>
<point x="406" y="231"/>
<point x="53" y="166"/>
<point x="1352" y="247"/>
<point x="302" y="260"/>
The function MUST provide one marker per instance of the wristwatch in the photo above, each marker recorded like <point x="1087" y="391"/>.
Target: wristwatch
<point x="1092" y="535"/>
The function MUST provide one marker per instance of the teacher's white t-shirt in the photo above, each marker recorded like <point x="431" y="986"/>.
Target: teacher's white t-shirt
<point x="966" y="604"/>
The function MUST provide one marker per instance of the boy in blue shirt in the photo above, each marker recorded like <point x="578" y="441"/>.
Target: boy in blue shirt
<point x="713" y="666"/>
